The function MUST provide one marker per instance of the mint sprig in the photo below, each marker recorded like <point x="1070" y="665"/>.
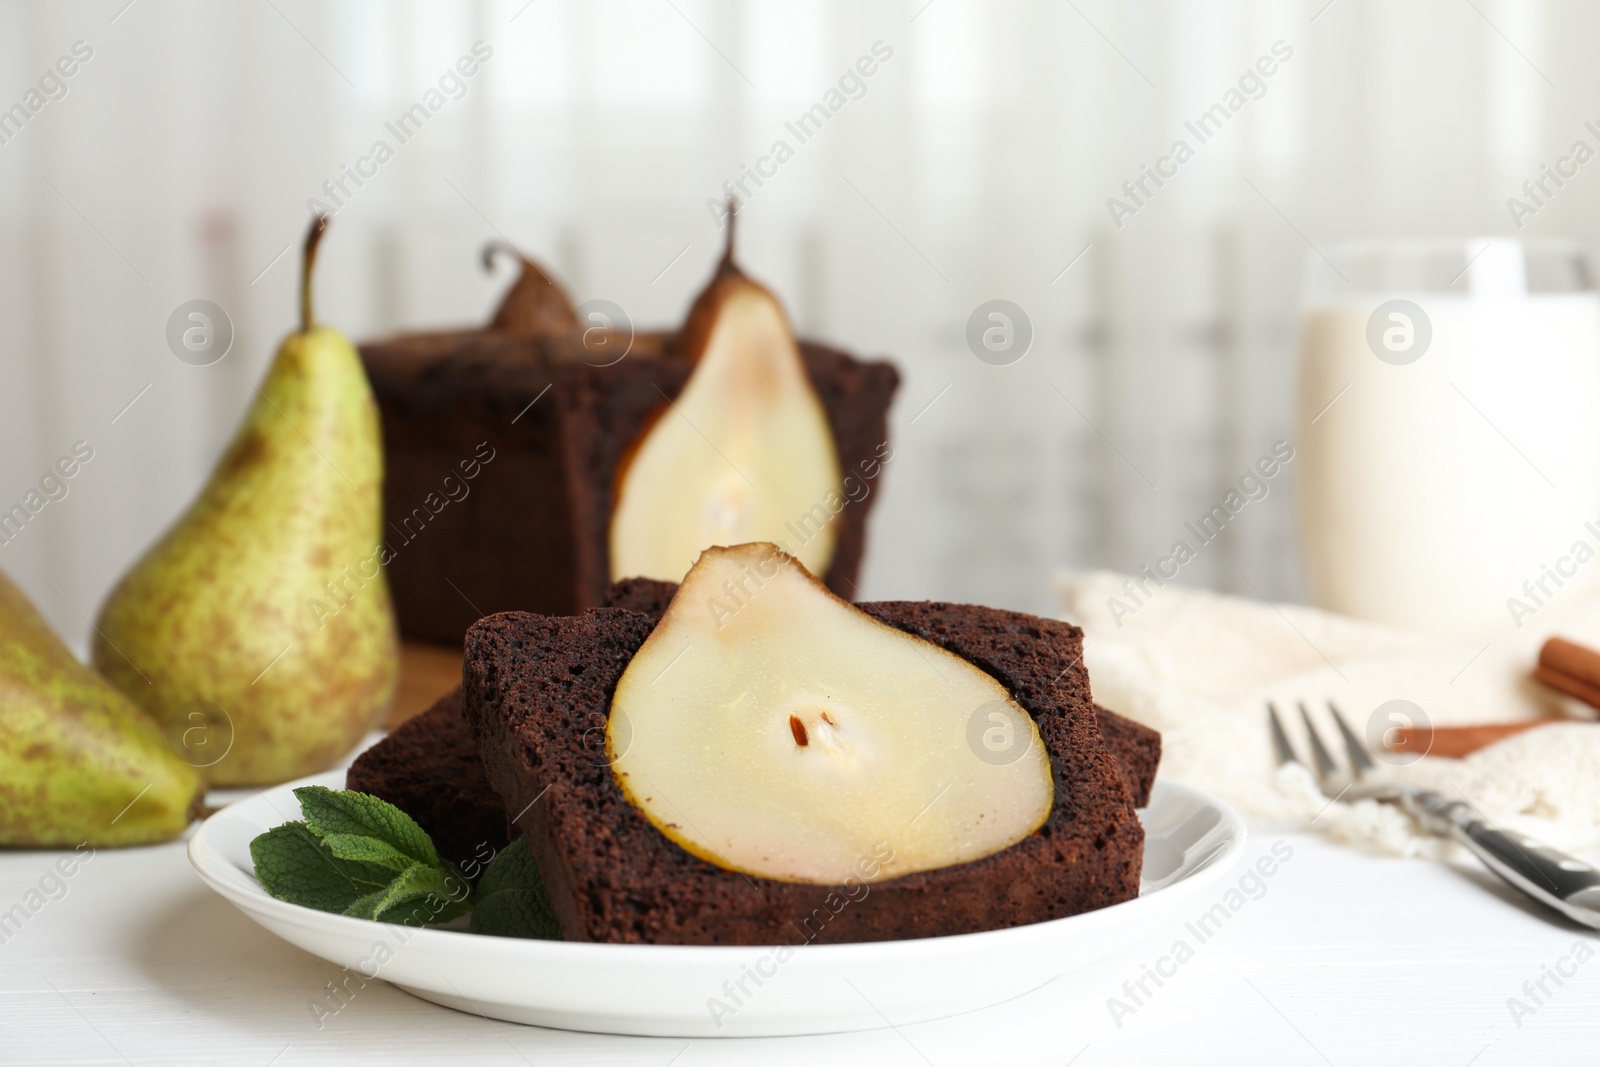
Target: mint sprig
<point x="360" y="856"/>
<point x="357" y="855"/>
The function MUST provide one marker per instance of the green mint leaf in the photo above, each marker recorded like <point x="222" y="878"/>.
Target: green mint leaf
<point x="330" y="811"/>
<point x="359" y="856"/>
<point x="293" y="866"/>
<point x="367" y="850"/>
<point x="511" y="900"/>
<point x="364" y="907"/>
<point x="420" y="896"/>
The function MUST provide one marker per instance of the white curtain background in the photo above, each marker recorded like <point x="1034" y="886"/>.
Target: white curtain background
<point x="977" y="165"/>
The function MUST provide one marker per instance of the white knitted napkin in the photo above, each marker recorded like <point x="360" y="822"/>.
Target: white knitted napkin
<point x="1201" y="667"/>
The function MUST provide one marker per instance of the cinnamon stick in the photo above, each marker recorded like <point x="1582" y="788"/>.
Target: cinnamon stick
<point x="1454" y="742"/>
<point x="1583" y="691"/>
<point x="1564" y="666"/>
<point x="1570" y="668"/>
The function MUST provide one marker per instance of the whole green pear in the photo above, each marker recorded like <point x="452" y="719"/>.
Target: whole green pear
<point x="258" y="632"/>
<point x="79" y="763"/>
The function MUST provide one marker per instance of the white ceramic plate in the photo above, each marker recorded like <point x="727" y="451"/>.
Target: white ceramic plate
<point x="1191" y="839"/>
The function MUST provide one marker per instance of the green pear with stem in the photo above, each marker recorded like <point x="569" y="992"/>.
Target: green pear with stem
<point x="79" y="763"/>
<point x="259" y="632"/>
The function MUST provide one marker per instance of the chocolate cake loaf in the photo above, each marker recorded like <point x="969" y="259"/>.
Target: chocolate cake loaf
<point x="537" y="694"/>
<point x="502" y="448"/>
<point x="429" y="769"/>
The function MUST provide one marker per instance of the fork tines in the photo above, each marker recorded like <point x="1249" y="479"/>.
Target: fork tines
<point x="1360" y="758"/>
<point x="1280" y="740"/>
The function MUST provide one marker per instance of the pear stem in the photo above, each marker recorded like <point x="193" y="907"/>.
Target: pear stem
<point x="308" y="260"/>
<point x="727" y="250"/>
<point x="505" y="248"/>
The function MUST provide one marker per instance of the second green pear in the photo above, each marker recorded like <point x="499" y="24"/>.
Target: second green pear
<point x="79" y="764"/>
<point x="261" y="622"/>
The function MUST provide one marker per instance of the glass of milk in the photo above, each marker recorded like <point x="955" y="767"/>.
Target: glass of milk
<point x="1448" y="439"/>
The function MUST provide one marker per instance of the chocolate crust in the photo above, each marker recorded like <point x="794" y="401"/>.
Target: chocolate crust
<point x="530" y="530"/>
<point x="429" y="768"/>
<point x="537" y="692"/>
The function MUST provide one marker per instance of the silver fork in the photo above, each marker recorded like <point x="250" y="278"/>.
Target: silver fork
<point x="1553" y="878"/>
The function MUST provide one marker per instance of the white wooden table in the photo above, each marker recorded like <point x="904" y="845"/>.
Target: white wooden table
<point x="1344" y="959"/>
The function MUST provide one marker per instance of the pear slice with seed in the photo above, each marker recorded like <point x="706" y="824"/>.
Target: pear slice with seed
<point x="769" y="727"/>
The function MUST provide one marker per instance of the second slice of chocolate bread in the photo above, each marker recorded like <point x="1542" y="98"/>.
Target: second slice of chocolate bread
<point x="1137" y="748"/>
<point x="537" y="692"/>
<point x="428" y="767"/>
